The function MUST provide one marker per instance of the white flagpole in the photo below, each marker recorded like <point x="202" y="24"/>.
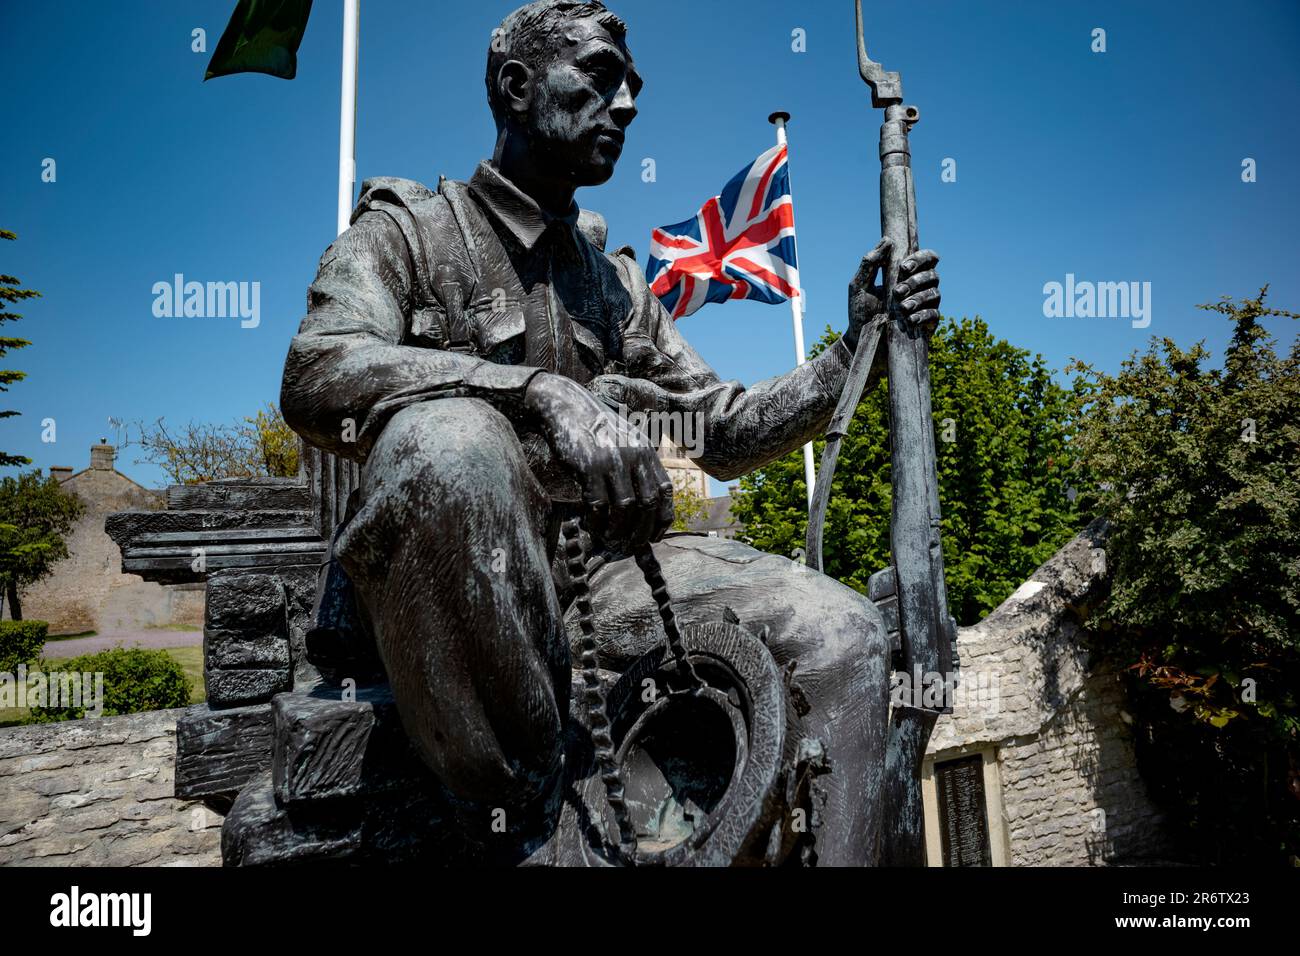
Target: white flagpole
<point x="348" y="113"/>
<point x="809" y="471"/>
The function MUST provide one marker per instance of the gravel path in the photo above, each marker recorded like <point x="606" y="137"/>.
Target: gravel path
<point x="153" y="637"/>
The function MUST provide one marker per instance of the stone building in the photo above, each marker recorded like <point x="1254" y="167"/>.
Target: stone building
<point x="1036" y="766"/>
<point x="88" y="591"/>
<point x="716" y="518"/>
<point x="684" y="472"/>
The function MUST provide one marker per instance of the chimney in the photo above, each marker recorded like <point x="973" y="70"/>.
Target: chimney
<point x="101" y="456"/>
<point x="61" y="472"/>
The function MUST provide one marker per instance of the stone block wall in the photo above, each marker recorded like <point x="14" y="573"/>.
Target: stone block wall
<point x="1072" y="795"/>
<point x="1032" y="700"/>
<point x="100" y="793"/>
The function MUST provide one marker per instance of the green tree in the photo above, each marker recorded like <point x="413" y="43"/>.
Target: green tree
<point x="36" y="515"/>
<point x="258" y="447"/>
<point x="689" y="506"/>
<point x="11" y="292"/>
<point x="1002" y="433"/>
<point x="1198" y="470"/>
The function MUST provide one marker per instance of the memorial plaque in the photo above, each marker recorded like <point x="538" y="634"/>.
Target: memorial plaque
<point x="963" y="813"/>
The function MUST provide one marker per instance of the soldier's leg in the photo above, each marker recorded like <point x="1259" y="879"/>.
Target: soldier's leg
<point x="835" y="635"/>
<point x="450" y="558"/>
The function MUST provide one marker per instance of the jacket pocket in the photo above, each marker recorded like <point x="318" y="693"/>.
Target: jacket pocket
<point x="590" y="350"/>
<point x="428" y="329"/>
<point x="499" y="334"/>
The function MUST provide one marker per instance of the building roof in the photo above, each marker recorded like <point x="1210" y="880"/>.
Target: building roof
<point x="717" y="517"/>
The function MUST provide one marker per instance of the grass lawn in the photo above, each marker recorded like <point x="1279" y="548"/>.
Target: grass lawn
<point x="190" y="659"/>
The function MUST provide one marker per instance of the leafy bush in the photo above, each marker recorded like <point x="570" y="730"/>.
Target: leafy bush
<point x="135" y="679"/>
<point x="21" y="643"/>
<point x="1198" y="470"/>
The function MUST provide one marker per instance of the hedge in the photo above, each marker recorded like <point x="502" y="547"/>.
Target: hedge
<point x="21" y="642"/>
<point x="135" y="679"/>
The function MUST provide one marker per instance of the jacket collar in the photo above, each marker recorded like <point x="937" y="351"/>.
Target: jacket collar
<point x="503" y="201"/>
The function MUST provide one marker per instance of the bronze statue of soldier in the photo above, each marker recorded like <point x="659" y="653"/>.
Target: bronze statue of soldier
<point x="471" y="348"/>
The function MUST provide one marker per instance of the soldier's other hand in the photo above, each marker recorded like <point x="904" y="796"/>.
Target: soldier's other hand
<point x="625" y="486"/>
<point x="917" y="290"/>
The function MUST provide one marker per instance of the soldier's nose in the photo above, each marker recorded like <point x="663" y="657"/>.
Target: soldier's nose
<point x="623" y="109"/>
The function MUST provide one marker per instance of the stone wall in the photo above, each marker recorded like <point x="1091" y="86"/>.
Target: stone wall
<point x="99" y="793"/>
<point x="88" y="591"/>
<point x="1031" y="701"/>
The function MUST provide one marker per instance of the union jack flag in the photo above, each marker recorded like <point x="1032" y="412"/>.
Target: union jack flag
<point x="740" y="245"/>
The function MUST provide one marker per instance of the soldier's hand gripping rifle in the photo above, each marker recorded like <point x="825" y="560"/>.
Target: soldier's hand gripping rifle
<point x="913" y="587"/>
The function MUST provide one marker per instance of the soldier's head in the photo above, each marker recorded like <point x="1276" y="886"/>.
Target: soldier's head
<point x="562" y="86"/>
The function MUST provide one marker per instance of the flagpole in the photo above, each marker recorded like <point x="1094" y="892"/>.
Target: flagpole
<point x="348" y="113"/>
<point x="779" y="120"/>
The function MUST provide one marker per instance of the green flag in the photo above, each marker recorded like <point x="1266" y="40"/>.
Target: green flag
<point x="262" y="37"/>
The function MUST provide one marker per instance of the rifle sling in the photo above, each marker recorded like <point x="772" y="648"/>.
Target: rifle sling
<point x="859" y="371"/>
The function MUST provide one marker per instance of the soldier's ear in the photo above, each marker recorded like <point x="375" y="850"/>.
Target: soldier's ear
<point x="515" y="86"/>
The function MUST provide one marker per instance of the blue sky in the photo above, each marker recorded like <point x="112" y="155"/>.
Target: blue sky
<point x="1115" y="166"/>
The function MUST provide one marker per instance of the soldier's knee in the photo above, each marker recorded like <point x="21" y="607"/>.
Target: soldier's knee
<point x="444" y="440"/>
<point x="449" y="453"/>
<point x="441" y="464"/>
<point x="850" y="630"/>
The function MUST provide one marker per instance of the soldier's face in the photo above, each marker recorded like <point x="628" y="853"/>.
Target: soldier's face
<point x="584" y="100"/>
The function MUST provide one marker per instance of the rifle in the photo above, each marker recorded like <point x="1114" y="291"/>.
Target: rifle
<point x="911" y="592"/>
